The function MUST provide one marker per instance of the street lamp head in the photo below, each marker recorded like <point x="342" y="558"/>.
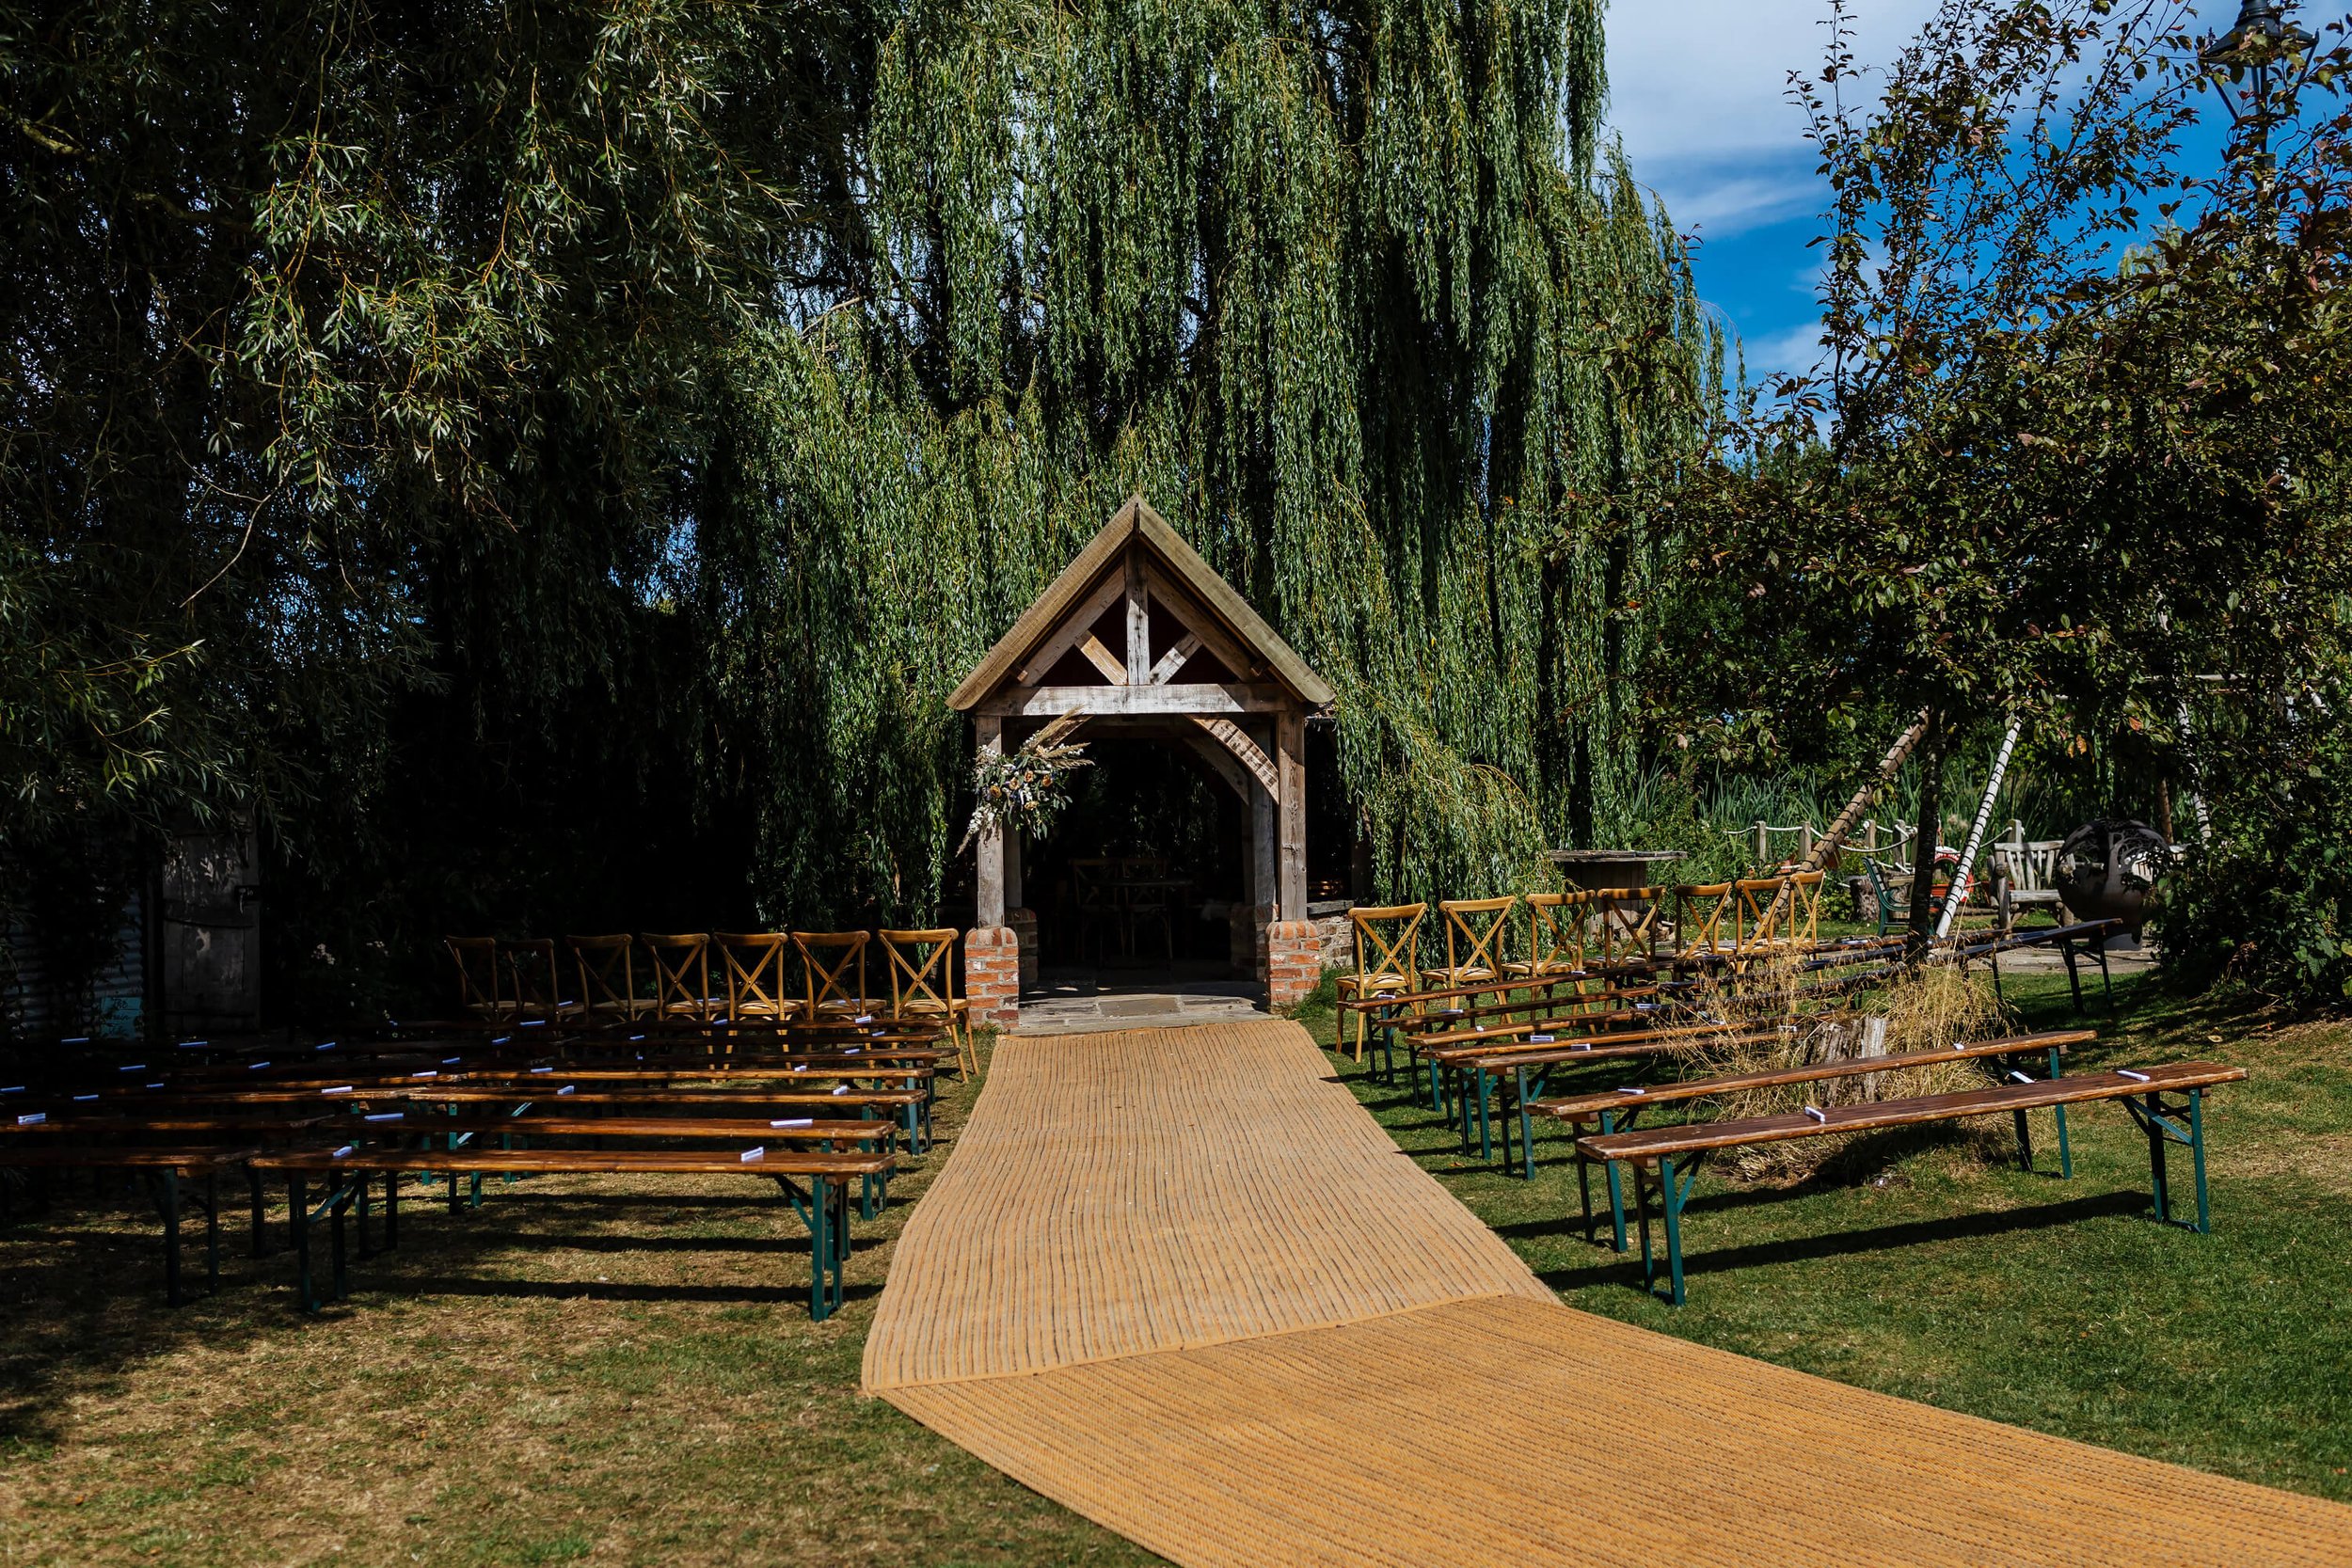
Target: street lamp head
<point x="2262" y="34"/>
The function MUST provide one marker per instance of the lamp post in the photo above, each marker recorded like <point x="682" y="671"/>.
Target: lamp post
<point x="2263" y="36"/>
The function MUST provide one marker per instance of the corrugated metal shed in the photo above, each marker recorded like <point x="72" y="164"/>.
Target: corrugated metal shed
<point x="119" y="996"/>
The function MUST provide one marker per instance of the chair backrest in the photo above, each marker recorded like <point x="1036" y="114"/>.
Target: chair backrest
<point x="681" y="971"/>
<point x="477" y="961"/>
<point x="1385" y="938"/>
<point x="1628" y="919"/>
<point x="922" y="967"/>
<point x="1557" y="930"/>
<point x="534" y="987"/>
<point x="1476" y="932"/>
<point x="828" y="976"/>
<point x="1700" y="908"/>
<point x="608" y="973"/>
<point x="1088" y="878"/>
<point x="753" y="966"/>
<point x="1800" y="921"/>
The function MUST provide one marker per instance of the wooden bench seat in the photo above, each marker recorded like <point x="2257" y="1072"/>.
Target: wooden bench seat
<point x="169" y="1168"/>
<point x="1615" y="1110"/>
<point x="345" y="1175"/>
<point x="912" y="1106"/>
<point x="1467" y="1077"/>
<point x="1652" y="1154"/>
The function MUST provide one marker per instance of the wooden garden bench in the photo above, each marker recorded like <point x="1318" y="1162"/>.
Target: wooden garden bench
<point x="345" y="1173"/>
<point x="1519" y="1069"/>
<point x="167" y="1167"/>
<point x="1652" y="1154"/>
<point x="912" y="1106"/>
<point x="1616" y="1110"/>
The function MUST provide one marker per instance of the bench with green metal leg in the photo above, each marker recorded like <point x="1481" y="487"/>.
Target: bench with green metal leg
<point x="1617" y="1110"/>
<point x="1664" y="1160"/>
<point x="168" y="1170"/>
<point x="816" y="1185"/>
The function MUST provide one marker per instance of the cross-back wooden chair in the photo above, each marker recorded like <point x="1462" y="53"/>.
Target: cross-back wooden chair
<point x="923" y="985"/>
<point x="1557" y="932"/>
<point x="681" y="973"/>
<point x="1476" y="931"/>
<point x="1701" y="912"/>
<point x="478" y="988"/>
<point x="534" y="985"/>
<point x="1626" y="919"/>
<point x="830" y="990"/>
<point x="1799" y="924"/>
<point x="1385" y="951"/>
<point x="608" y="978"/>
<point x="753" y="965"/>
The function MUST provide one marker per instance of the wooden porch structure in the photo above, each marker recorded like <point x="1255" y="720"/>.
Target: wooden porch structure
<point x="1140" y="636"/>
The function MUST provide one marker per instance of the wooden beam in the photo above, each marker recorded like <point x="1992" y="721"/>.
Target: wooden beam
<point x="989" y="873"/>
<point x="1244" y="663"/>
<point x="1050" y="702"/>
<point x="1173" y="660"/>
<point x="1079" y="623"/>
<point x="1236" y="740"/>
<point x="1101" y="659"/>
<point x="1290" y="748"/>
<point x="1139" y="624"/>
<point x="1222" y="763"/>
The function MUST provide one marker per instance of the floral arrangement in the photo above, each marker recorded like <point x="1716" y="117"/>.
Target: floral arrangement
<point x="1024" y="791"/>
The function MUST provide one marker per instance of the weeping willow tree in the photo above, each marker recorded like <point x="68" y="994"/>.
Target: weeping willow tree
<point x="1354" y="295"/>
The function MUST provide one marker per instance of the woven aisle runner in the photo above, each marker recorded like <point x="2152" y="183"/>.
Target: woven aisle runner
<point x="1180" y="1282"/>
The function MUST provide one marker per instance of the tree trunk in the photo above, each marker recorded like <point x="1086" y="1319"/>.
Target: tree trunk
<point x="1924" y="846"/>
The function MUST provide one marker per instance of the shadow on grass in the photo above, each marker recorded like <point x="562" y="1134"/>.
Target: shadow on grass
<point x="1623" y="1267"/>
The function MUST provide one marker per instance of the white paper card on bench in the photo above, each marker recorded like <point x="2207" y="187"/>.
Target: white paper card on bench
<point x="1541" y="1039"/>
<point x="863" y="1018"/>
<point x="567" y="1088"/>
<point x="1816" y="1113"/>
<point x="385" y="1115"/>
<point x="843" y="1088"/>
<point x="13" y="1088"/>
<point x="750" y="1154"/>
<point x="450" y="1061"/>
<point x="543" y="1069"/>
<point x="428" y="1073"/>
<point x="80" y="1097"/>
<point x="2134" y="1077"/>
<point x="795" y="1121"/>
<point x="339" y="1088"/>
<point x="33" y="1120"/>
<point x="2022" y="1078"/>
<point x="1633" y="1091"/>
<point x="345" y="1152"/>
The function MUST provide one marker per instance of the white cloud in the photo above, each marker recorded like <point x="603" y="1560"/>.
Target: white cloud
<point x="1701" y="80"/>
<point x="1698" y="89"/>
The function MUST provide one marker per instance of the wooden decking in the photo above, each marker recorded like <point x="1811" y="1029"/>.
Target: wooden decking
<point x="1183" y="1284"/>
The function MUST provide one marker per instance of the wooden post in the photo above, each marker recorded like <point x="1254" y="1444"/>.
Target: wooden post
<point x="989" y="870"/>
<point x="1138" y="624"/>
<point x="1265" y="879"/>
<point x="1290" y="742"/>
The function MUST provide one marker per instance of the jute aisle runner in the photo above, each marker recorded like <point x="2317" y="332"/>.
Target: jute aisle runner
<point x="1180" y="1282"/>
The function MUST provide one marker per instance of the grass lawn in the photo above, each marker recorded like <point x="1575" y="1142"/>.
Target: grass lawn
<point x="1921" y="1268"/>
<point x="572" y="1374"/>
<point x="578" y="1375"/>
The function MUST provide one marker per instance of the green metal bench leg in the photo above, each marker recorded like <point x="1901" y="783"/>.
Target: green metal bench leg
<point x="1486" y="1127"/>
<point x="1616" y="1185"/>
<point x="820" y="1252"/>
<point x="2197" y="1156"/>
<point x="1671" y="1194"/>
<point x="2066" y="1152"/>
<point x="2025" y="1143"/>
<point x="212" y="1231"/>
<point x="2156" y="1161"/>
<point x="335" y="1203"/>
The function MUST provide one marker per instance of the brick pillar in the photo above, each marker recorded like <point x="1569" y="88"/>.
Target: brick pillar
<point x="992" y="976"/>
<point x="1024" y="924"/>
<point x="1290" y="959"/>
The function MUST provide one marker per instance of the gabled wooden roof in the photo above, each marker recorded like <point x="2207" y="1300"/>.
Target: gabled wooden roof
<point x="1137" y="526"/>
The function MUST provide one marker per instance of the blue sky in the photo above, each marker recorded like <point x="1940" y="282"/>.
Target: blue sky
<point x="1696" y="89"/>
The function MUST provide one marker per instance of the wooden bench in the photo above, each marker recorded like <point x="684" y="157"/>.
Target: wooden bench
<point x="167" y="1167"/>
<point x="1616" y="1110"/>
<point x="1652" y="1154"/>
<point x="1528" y="1064"/>
<point x="911" y="1105"/>
<point x="822" y="1204"/>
